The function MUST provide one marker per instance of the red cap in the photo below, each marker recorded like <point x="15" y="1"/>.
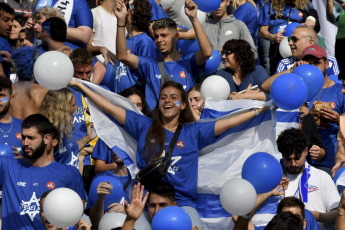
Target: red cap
<point x="315" y="51"/>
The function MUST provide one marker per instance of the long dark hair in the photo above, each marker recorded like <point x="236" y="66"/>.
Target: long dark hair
<point x="155" y="137"/>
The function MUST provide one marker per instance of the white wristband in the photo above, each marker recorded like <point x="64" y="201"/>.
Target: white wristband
<point x="311" y="18"/>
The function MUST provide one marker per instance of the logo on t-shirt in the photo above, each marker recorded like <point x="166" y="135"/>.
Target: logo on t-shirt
<point x="180" y="144"/>
<point x="300" y="14"/>
<point x="182" y="74"/>
<point x="333" y="104"/>
<point x="50" y="185"/>
<point x="31" y="207"/>
<point x="312" y="188"/>
<point x="18" y="136"/>
<point x="129" y="51"/>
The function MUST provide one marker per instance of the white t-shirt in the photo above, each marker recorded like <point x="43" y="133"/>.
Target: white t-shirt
<point x="323" y="195"/>
<point x="104" y="28"/>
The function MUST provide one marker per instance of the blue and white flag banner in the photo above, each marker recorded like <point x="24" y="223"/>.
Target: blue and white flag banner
<point x="218" y="162"/>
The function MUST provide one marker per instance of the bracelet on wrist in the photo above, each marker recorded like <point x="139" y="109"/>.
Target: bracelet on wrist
<point x="256" y="111"/>
<point x="341" y="214"/>
<point x="121" y="25"/>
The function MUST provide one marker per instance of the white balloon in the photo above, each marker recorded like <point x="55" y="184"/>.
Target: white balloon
<point x="215" y="87"/>
<point x="111" y="220"/>
<point x="63" y="207"/>
<point x="53" y="70"/>
<point x="284" y="48"/>
<point x="166" y="4"/>
<point x="238" y="196"/>
<point x="185" y="20"/>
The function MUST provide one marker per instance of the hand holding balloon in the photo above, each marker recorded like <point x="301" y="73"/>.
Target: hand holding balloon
<point x="63" y="207"/>
<point x="191" y="9"/>
<point x="103" y="189"/>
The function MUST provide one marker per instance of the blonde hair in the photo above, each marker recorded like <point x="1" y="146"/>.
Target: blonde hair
<point x="279" y="5"/>
<point x="237" y="3"/>
<point x="48" y="12"/>
<point x="56" y="107"/>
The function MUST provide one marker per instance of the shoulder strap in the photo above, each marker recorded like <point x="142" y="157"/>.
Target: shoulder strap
<point x="172" y="144"/>
<point x="164" y="76"/>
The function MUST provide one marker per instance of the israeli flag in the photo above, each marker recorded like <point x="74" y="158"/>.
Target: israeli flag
<point x="219" y="162"/>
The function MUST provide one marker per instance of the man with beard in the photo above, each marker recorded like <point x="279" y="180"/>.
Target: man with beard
<point x="10" y="127"/>
<point x="25" y="180"/>
<point x="309" y="184"/>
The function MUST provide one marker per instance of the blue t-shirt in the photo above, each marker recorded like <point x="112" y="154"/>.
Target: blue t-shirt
<point x="102" y="152"/>
<point x="329" y="135"/>
<point x="183" y="71"/>
<point x="10" y="133"/>
<point x="68" y="154"/>
<point x="79" y="127"/>
<point x="119" y="77"/>
<point x="24" y="184"/>
<point x="248" y="14"/>
<point x="256" y="77"/>
<point x="183" y="170"/>
<point x="5" y="46"/>
<point x="278" y="25"/>
<point x="157" y="11"/>
<point x="81" y="14"/>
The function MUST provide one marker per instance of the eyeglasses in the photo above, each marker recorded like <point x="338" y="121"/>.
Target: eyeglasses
<point x="226" y="53"/>
<point x="294" y="39"/>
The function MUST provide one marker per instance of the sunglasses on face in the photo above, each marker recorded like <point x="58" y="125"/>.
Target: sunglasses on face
<point x="226" y="53"/>
<point x="294" y="39"/>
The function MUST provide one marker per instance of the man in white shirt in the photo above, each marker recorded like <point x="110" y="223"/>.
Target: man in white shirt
<point x="311" y="185"/>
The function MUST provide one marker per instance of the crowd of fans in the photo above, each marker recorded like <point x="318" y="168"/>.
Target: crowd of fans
<point x="133" y="48"/>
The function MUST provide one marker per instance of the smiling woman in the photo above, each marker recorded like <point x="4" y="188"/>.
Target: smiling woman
<point x="154" y="136"/>
<point x="241" y="72"/>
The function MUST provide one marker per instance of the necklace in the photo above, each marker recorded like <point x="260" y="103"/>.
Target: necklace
<point x="5" y="133"/>
<point x="318" y="99"/>
<point x="170" y="128"/>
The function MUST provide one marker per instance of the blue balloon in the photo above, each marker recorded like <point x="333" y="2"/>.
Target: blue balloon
<point x="6" y="151"/>
<point x="213" y="62"/>
<point x="313" y="77"/>
<point x="290" y="28"/>
<point x="289" y="91"/>
<point x="187" y="46"/>
<point x="338" y="173"/>
<point x="263" y="171"/>
<point x="171" y="218"/>
<point x="116" y="194"/>
<point x="208" y="6"/>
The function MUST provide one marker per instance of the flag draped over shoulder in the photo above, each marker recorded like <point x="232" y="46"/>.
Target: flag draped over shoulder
<point x="218" y="162"/>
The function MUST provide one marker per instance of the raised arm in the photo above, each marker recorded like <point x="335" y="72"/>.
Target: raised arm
<point x="223" y="125"/>
<point x="136" y="207"/>
<point x="205" y="51"/>
<point x="116" y="112"/>
<point x="266" y="86"/>
<point x="130" y="60"/>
